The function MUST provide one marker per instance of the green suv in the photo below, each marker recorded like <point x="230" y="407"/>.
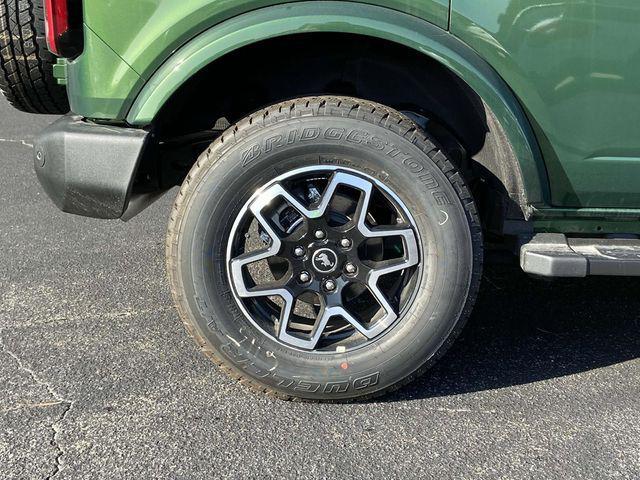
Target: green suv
<point x="343" y="165"/>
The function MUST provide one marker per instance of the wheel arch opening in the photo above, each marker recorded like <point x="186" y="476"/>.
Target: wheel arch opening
<point x="287" y="67"/>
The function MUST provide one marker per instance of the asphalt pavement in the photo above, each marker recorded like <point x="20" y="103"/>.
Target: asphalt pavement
<point x="99" y="380"/>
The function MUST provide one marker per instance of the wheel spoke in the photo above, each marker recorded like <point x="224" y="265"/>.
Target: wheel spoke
<point x="274" y="191"/>
<point x="277" y="190"/>
<point x="308" y="344"/>
<point x="389" y="231"/>
<point x="410" y="258"/>
<point x="353" y="321"/>
<point x="339" y="178"/>
<point x="320" y="325"/>
<point x="238" y="263"/>
<point x="266" y="288"/>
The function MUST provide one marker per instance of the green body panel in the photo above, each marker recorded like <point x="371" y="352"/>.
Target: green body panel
<point x="587" y="220"/>
<point x="99" y="84"/>
<point x="150" y="30"/>
<point x="561" y="76"/>
<point x="365" y="20"/>
<point x="575" y="66"/>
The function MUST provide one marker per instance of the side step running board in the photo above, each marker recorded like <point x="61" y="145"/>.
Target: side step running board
<point x="554" y="255"/>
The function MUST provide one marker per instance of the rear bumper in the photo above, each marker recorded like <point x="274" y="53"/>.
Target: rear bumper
<point x="88" y="169"/>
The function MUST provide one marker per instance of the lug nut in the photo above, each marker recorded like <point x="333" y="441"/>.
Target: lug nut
<point x="350" y="268"/>
<point x="319" y="234"/>
<point x="345" y="243"/>
<point x="304" y="277"/>
<point x="330" y="285"/>
<point x="298" y="251"/>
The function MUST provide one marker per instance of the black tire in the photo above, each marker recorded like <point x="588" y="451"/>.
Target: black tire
<point x="26" y="65"/>
<point x="236" y="165"/>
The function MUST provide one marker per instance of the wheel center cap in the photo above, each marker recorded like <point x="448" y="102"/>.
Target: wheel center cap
<point x="324" y="260"/>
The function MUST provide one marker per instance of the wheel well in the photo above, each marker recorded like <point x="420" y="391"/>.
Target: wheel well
<point x="283" y="68"/>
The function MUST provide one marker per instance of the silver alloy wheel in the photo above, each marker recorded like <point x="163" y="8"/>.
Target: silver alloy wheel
<point x="288" y="216"/>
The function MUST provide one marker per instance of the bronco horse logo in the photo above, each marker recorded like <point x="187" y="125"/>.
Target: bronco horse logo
<point x="324" y="260"/>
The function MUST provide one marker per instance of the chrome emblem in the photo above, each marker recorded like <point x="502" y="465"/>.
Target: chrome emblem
<point x="325" y="260"/>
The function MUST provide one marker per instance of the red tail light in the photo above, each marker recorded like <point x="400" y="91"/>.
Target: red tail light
<point x="64" y="26"/>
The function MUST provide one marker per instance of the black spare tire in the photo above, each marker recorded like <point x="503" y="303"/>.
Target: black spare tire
<point x="26" y="65"/>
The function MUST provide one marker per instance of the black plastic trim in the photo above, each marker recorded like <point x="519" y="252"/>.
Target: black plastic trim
<point x="555" y="255"/>
<point x="88" y="169"/>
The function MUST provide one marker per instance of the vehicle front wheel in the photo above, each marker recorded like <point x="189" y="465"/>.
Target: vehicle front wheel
<point x="324" y="249"/>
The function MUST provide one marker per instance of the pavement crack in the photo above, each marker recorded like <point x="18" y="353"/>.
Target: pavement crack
<point x="463" y="410"/>
<point x="22" y="406"/>
<point x="34" y="376"/>
<point x="58" y="399"/>
<point x="19" y="142"/>
<point x="54" y="441"/>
